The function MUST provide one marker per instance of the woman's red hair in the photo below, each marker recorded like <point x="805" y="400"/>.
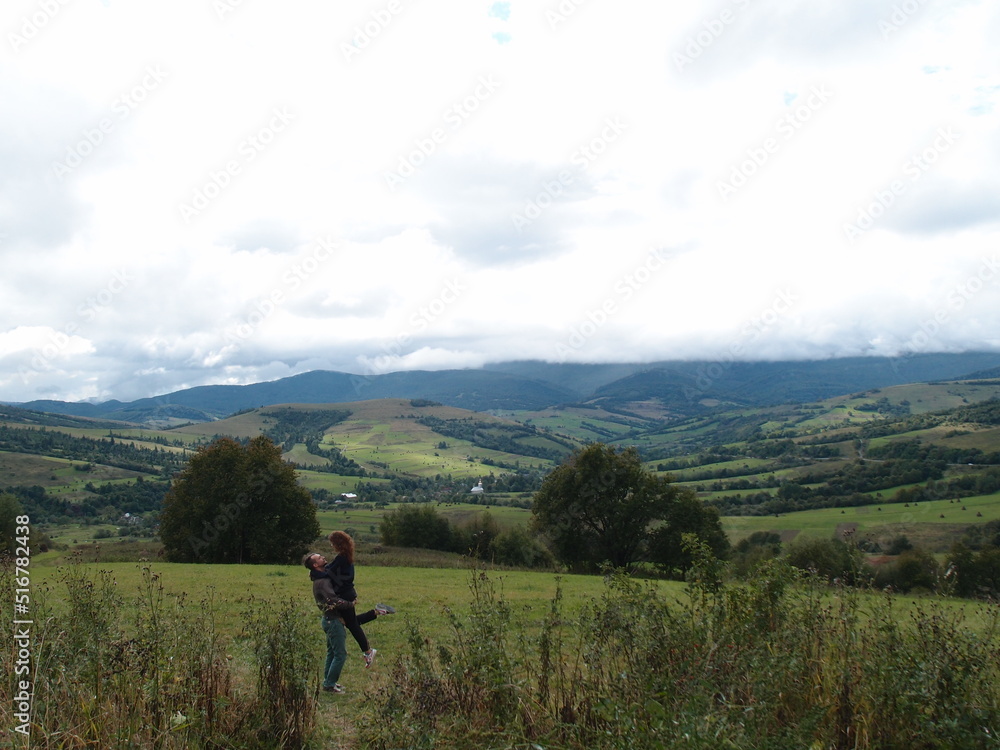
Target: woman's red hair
<point x="342" y="544"/>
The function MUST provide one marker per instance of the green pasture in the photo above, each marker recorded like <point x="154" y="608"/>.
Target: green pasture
<point x="73" y="533"/>
<point x="933" y="397"/>
<point x="359" y="519"/>
<point x="412" y="448"/>
<point x="505" y="516"/>
<point x="421" y="595"/>
<point x="762" y="465"/>
<point x="577" y="423"/>
<point x="335" y="483"/>
<point x="933" y="524"/>
<point x="839" y="413"/>
<point x="144" y="437"/>
<point x="57" y="474"/>
<point x="247" y="425"/>
<point x="985" y="439"/>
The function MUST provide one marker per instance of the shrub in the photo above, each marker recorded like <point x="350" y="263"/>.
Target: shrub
<point x="517" y="547"/>
<point x="775" y="663"/>
<point x="752" y="552"/>
<point x="913" y="569"/>
<point x="154" y="673"/>
<point x="416" y="526"/>
<point x="831" y="559"/>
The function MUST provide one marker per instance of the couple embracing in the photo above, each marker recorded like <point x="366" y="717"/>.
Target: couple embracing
<point x="333" y="589"/>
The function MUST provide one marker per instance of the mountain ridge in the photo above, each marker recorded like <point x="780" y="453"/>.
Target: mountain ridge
<point x="680" y="387"/>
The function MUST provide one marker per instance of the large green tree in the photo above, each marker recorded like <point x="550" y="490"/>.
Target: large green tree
<point x="238" y="504"/>
<point x="686" y="515"/>
<point x="599" y="505"/>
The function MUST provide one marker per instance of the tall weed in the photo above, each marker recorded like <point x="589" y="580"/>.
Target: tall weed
<point x="154" y="673"/>
<point x="781" y="661"/>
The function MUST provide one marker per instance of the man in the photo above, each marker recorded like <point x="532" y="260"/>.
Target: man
<point x="333" y="626"/>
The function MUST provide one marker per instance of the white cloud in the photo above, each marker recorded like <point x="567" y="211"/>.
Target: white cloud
<point x="541" y="151"/>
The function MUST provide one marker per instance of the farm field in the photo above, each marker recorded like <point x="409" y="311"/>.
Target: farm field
<point x="382" y="435"/>
<point x="57" y="474"/>
<point x="415" y="449"/>
<point x="931" y="523"/>
<point x="589" y="424"/>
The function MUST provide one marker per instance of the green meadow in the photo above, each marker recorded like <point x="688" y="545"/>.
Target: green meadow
<point x="933" y="524"/>
<point x="590" y="641"/>
<point x="419" y="594"/>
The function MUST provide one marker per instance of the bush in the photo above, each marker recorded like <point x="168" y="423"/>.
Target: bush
<point x="772" y="664"/>
<point x="518" y="548"/>
<point x="976" y="574"/>
<point x="752" y="552"/>
<point x="913" y="570"/>
<point x="831" y="559"/>
<point x="154" y="673"/>
<point x="417" y="526"/>
<point x="899" y="545"/>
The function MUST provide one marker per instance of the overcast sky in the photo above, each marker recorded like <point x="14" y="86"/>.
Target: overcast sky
<point x="229" y="191"/>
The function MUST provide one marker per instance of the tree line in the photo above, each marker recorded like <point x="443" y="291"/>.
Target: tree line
<point x="848" y="488"/>
<point x="121" y="453"/>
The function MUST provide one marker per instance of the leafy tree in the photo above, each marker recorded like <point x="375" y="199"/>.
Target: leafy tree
<point x="829" y="558"/>
<point x="978" y="574"/>
<point x="237" y="504"/>
<point x="415" y="525"/>
<point x="517" y="546"/>
<point x="686" y="515"/>
<point x="751" y="553"/>
<point x="597" y="506"/>
<point x="913" y="569"/>
<point x="899" y="545"/>
<point x="476" y="535"/>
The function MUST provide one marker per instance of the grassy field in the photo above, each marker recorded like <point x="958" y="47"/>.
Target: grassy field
<point x="932" y="524"/>
<point x="587" y="424"/>
<point x="422" y="596"/>
<point x="429" y="602"/>
<point x="56" y="474"/>
<point x="380" y="433"/>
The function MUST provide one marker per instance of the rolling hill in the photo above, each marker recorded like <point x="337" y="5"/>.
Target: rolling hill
<point x="931" y="443"/>
<point x="656" y="390"/>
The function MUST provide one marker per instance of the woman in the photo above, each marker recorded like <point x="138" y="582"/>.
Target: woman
<point x="341" y="572"/>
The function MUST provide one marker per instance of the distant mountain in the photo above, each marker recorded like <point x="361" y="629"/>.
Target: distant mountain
<point x="991" y="374"/>
<point x="476" y="390"/>
<point x="679" y="387"/>
<point x="768" y="383"/>
<point x="582" y="379"/>
<point x="51" y="418"/>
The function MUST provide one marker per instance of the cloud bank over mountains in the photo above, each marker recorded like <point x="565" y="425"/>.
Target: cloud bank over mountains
<point x="237" y="191"/>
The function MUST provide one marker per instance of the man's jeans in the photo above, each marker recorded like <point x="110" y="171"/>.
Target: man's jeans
<point x="336" y="650"/>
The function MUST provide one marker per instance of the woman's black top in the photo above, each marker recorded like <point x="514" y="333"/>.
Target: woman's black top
<point x="342" y="576"/>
